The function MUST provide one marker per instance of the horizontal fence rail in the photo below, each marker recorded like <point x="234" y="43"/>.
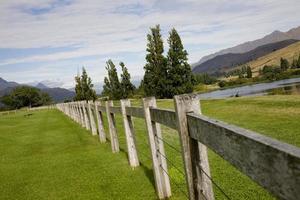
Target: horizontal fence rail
<point x="272" y="164"/>
<point x="135" y="112"/>
<point x="164" y="116"/>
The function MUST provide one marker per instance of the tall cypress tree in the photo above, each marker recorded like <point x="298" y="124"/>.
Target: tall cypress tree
<point x="179" y="71"/>
<point x="155" y="78"/>
<point x="127" y="87"/>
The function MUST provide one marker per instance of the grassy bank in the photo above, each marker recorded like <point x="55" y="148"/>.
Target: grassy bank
<point x="48" y="156"/>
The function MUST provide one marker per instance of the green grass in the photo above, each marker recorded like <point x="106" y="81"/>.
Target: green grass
<point x="48" y="156"/>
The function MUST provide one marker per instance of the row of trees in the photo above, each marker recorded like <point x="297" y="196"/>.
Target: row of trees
<point x="25" y="96"/>
<point x="166" y="76"/>
<point x="242" y="72"/>
<point x="113" y="87"/>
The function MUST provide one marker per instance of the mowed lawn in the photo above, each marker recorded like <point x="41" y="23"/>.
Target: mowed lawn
<point x="48" y="156"/>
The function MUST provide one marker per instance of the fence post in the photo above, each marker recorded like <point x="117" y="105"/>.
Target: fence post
<point x="86" y="118"/>
<point x="80" y="114"/>
<point x="129" y="133"/>
<point x="160" y="168"/>
<point x="99" y="117"/>
<point x="112" y="128"/>
<point x="92" y="120"/>
<point x="193" y="152"/>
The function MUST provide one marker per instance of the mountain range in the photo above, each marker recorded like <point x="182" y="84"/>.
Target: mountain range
<point x="57" y="94"/>
<point x="273" y="38"/>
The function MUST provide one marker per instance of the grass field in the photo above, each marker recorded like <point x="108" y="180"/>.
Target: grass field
<point x="48" y="156"/>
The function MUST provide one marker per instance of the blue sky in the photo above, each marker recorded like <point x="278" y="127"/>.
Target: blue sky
<point x="51" y="39"/>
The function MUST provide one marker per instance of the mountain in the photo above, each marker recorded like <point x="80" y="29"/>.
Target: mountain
<point x="6" y="84"/>
<point x="41" y="86"/>
<point x="275" y="36"/>
<point x="57" y="94"/>
<point x="290" y="52"/>
<point x="230" y="60"/>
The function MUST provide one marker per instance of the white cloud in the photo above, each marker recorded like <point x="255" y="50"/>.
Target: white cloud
<point x="111" y="28"/>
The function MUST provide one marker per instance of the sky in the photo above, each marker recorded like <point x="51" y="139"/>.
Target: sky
<point x="51" y="40"/>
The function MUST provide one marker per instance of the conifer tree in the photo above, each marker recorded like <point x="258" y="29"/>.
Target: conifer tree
<point x="284" y="64"/>
<point x="249" y="72"/>
<point x="298" y="62"/>
<point x="127" y="87"/>
<point x="87" y="87"/>
<point x="84" y="87"/>
<point x="179" y="71"/>
<point x="78" y="89"/>
<point x="155" y="78"/>
<point x="112" y="84"/>
<point x="294" y="64"/>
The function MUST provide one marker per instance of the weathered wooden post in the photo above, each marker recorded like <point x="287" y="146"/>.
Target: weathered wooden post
<point x="99" y="116"/>
<point x="129" y="133"/>
<point x="86" y="118"/>
<point x="193" y="152"/>
<point x="160" y="167"/>
<point x="92" y="120"/>
<point x="80" y="114"/>
<point x="112" y="128"/>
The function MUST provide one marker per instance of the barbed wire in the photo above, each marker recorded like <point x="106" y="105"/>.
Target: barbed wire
<point x="169" y="144"/>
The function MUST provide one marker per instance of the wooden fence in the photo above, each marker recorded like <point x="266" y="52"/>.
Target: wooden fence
<point x="272" y="164"/>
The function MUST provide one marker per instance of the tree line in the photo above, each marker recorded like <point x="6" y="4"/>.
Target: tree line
<point x="25" y="96"/>
<point x="165" y="76"/>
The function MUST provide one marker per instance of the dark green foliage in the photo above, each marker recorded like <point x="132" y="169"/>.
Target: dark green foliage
<point x="84" y="87"/>
<point x="78" y="88"/>
<point x="179" y="71"/>
<point x="242" y="72"/>
<point x="113" y="88"/>
<point x="204" y="79"/>
<point x="284" y="64"/>
<point x="25" y="96"/>
<point x="127" y="87"/>
<point x="166" y="77"/>
<point x="249" y="72"/>
<point x="294" y="64"/>
<point x="298" y="62"/>
<point x="273" y="73"/>
<point x="112" y="85"/>
<point x="155" y="78"/>
<point x="222" y="84"/>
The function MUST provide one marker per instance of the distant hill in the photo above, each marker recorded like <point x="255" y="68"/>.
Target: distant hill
<point x="6" y="84"/>
<point x="275" y="36"/>
<point x="57" y="94"/>
<point x="224" y="62"/>
<point x="290" y="52"/>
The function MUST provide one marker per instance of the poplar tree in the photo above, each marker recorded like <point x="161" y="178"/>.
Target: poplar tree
<point x="249" y="72"/>
<point x="179" y="71"/>
<point x="88" y="93"/>
<point x="155" y="78"/>
<point x="127" y="87"/>
<point x="78" y="89"/>
<point x="84" y="87"/>
<point x="284" y="64"/>
<point x="112" y="85"/>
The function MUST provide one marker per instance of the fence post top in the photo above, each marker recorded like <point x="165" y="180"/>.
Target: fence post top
<point x="148" y="98"/>
<point x="124" y="100"/>
<point x="184" y="97"/>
